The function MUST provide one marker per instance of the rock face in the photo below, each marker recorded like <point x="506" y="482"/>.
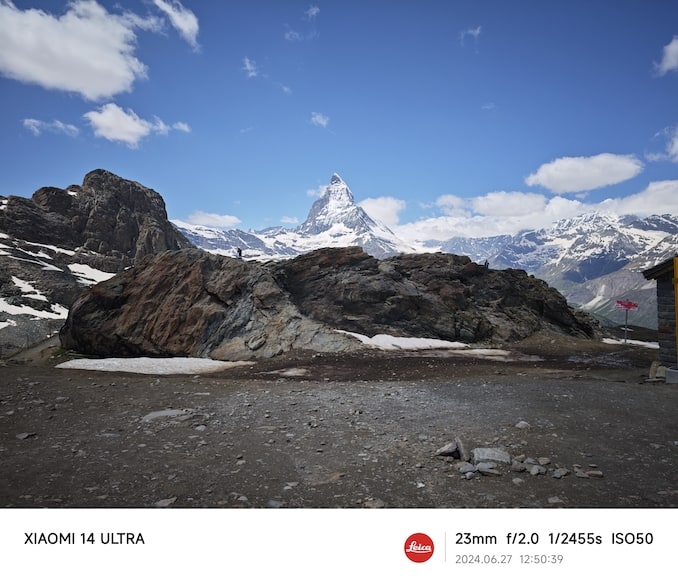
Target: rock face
<point x="108" y="215"/>
<point x="193" y="303"/>
<point x="62" y="240"/>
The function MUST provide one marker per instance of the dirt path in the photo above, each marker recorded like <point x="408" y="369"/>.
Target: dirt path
<point x="330" y="431"/>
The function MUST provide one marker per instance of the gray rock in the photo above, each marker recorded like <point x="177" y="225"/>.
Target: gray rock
<point x="495" y="455"/>
<point x="449" y="450"/>
<point x="518" y="466"/>
<point x="467" y="468"/>
<point x="522" y="425"/>
<point x="537" y="470"/>
<point x="560" y="473"/>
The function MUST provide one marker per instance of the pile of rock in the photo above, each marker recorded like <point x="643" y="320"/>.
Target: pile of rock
<point x="495" y="462"/>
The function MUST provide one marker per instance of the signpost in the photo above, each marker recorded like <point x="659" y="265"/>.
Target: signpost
<point x="626" y="305"/>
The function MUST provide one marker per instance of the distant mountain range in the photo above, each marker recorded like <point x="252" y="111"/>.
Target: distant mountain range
<point x="593" y="259"/>
<point x="61" y="240"/>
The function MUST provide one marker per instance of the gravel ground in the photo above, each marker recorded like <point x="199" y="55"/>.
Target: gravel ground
<point x="328" y="431"/>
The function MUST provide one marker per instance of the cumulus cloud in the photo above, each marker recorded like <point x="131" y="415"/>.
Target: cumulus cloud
<point x="669" y="60"/>
<point x="659" y="197"/>
<point x="319" y="119"/>
<point x="87" y="50"/>
<point x="37" y="127"/>
<point x="505" y="204"/>
<point x="575" y="174"/>
<point x="182" y="19"/>
<point x="113" y="123"/>
<point x="213" y="220"/>
<point x="385" y="209"/>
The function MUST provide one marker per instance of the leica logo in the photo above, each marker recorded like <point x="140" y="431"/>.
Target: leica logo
<point x="416" y="547"/>
<point x="419" y="547"/>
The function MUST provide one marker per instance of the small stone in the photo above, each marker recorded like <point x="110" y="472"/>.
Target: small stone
<point x="581" y="474"/>
<point x="543" y="461"/>
<point x="554" y="500"/>
<point x="463" y="453"/>
<point x="164" y="503"/>
<point x="484" y="466"/>
<point x="522" y="425"/>
<point x="517" y="481"/>
<point x="595" y="474"/>
<point x="469" y="475"/>
<point x="449" y="450"/>
<point x="467" y="468"/>
<point x="518" y="466"/>
<point x="560" y="473"/>
<point x="537" y="470"/>
<point x="25" y="435"/>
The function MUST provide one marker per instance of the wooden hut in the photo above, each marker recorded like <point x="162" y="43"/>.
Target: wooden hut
<point x="666" y="276"/>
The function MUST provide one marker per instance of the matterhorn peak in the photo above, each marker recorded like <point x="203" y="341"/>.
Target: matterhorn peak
<point x="334" y="207"/>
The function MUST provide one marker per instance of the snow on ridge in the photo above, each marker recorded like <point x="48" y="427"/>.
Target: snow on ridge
<point x="57" y="311"/>
<point x="88" y="275"/>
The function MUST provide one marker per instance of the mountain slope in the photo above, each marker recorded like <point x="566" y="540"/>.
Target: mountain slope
<point x="592" y="259"/>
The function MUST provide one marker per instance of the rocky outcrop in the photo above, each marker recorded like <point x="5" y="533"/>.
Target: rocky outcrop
<point x="196" y="304"/>
<point x="109" y="215"/>
<point x="62" y="240"/>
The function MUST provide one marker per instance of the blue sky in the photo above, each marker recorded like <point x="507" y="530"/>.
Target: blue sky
<point x="444" y="117"/>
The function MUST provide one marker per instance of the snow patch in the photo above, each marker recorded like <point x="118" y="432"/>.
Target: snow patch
<point x="649" y="345"/>
<point x="149" y="366"/>
<point x="57" y="311"/>
<point x="88" y="275"/>
<point x="388" y="342"/>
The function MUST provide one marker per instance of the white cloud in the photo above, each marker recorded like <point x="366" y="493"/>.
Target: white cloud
<point x="113" y="123"/>
<point x="182" y="19"/>
<point x="317" y="192"/>
<point x="289" y="220"/>
<point x="506" y="204"/>
<point x="319" y="119"/>
<point x="453" y="205"/>
<point x="385" y="209"/>
<point x="312" y="12"/>
<point x="86" y="50"/>
<point x="473" y="33"/>
<point x="213" y="220"/>
<point x="671" y="150"/>
<point x="659" y="197"/>
<point x="574" y="174"/>
<point x="37" y="127"/>
<point x="669" y="60"/>
<point x="250" y="67"/>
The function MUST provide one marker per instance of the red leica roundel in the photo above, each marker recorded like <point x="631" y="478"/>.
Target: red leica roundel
<point x="419" y="548"/>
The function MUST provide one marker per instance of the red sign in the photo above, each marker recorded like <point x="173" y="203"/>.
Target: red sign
<point x="419" y="548"/>
<point x="626" y="305"/>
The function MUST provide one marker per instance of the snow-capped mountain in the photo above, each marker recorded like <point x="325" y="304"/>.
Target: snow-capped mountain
<point x="333" y="221"/>
<point x="593" y="259"/>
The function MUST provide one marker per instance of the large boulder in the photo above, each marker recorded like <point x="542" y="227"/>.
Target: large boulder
<point x="192" y="303"/>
